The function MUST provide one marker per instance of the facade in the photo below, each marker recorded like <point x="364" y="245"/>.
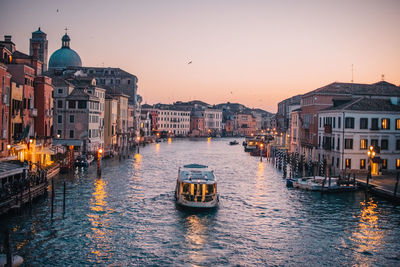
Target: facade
<point x="79" y="114"/>
<point x="110" y="123"/>
<point x="5" y="78"/>
<point x="15" y="125"/>
<point x="246" y="124"/>
<point x="346" y="132"/>
<point x="284" y="109"/>
<point x="211" y="119"/>
<point x="197" y="126"/>
<point x="122" y="120"/>
<point x="173" y="121"/>
<point x="295" y="131"/>
<point x="44" y="104"/>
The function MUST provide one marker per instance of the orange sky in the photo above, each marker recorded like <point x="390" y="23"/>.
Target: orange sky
<point x="253" y="52"/>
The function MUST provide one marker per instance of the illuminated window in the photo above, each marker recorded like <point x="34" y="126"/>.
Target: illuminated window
<point x="362" y="164"/>
<point x="397" y="163"/>
<point x="397" y="124"/>
<point x="363" y="143"/>
<point x="384" y="164"/>
<point x="385" y="124"/>
<point x="348" y="163"/>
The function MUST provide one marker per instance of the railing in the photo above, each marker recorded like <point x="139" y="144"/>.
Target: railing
<point x="374" y="128"/>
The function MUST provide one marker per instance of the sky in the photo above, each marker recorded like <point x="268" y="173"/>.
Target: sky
<point x="256" y="53"/>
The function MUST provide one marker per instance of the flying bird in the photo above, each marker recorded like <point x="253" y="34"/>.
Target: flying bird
<point x="190" y="62"/>
<point x="57" y="10"/>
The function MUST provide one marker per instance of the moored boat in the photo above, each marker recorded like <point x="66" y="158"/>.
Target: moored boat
<point x="234" y="142"/>
<point x="196" y="187"/>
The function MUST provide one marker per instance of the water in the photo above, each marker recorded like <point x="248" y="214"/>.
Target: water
<point x="128" y="217"/>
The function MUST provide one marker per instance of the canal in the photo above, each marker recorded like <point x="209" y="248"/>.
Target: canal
<point x="128" y="217"/>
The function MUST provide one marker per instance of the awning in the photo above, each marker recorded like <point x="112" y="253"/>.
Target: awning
<point x="67" y="142"/>
<point x="19" y="147"/>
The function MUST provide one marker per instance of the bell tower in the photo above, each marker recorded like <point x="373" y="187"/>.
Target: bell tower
<point x="39" y="39"/>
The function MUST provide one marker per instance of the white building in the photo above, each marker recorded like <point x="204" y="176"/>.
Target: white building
<point x="345" y="133"/>
<point x="173" y="121"/>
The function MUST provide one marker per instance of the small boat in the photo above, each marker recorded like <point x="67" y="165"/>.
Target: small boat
<point x="196" y="187"/>
<point x="317" y="183"/>
<point x="16" y="260"/>
<point x="83" y="161"/>
<point x="234" y="142"/>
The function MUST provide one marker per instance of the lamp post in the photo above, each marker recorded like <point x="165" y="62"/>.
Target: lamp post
<point x="261" y="150"/>
<point x="371" y="154"/>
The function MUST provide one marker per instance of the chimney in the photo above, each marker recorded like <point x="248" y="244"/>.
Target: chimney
<point x="7" y="38"/>
<point x="8" y="43"/>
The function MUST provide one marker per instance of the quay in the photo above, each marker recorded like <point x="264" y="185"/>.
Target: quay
<point x="384" y="186"/>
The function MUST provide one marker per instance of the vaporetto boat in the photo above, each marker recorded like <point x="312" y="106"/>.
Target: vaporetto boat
<point x="196" y="187"/>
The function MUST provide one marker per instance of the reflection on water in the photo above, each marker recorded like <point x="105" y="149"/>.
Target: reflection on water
<point x="100" y="221"/>
<point x="260" y="180"/>
<point x="368" y="235"/>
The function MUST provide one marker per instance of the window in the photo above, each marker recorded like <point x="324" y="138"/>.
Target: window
<point x="71" y="118"/>
<point x="384" y="164"/>
<point x="374" y="124"/>
<point x="60" y="90"/>
<point x="71" y="134"/>
<point x="398" y="144"/>
<point x="364" y="123"/>
<point x="397" y="163"/>
<point x="349" y="123"/>
<point x="362" y="164"/>
<point x="384" y="144"/>
<point x="348" y="143"/>
<point x="71" y="104"/>
<point x="338" y="144"/>
<point x="363" y="143"/>
<point x="397" y="124"/>
<point x="59" y="133"/>
<point x="59" y="104"/>
<point x="374" y="142"/>
<point x="339" y="122"/>
<point x="348" y="163"/>
<point x="320" y="122"/>
<point x="59" y="119"/>
<point x="82" y="104"/>
<point x="337" y="163"/>
<point x="385" y="123"/>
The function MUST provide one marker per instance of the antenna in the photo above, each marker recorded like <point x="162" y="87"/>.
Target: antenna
<point x="66" y="30"/>
<point x="383" y="77"/>
<point x="352" y="73"/>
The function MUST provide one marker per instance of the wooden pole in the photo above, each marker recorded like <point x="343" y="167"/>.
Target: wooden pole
<point x="64" y="198"/>
<point x="7" y="248"/>
<point x="52" y="197"/>
<point x="397" y="184"/>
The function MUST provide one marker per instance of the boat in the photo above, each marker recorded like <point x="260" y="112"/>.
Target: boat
<point x="317" y="183"/>
<point x="83" y="161"/>
<point x="16" y="260"/>
<point x="196" y="187"/>
<point x="234" y="142"/>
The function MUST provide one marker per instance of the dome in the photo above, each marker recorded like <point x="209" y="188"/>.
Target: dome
<point x="65" y="56"/>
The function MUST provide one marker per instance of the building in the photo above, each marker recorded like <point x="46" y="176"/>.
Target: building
<point x="39" y="39"/>
<point x="173" y="121"/>
<point x="110" y="124"/>
<point x="346" y="131"/>
<point x="79" y="114"/>
<point x="15" y="125"/>
<point x="5" y="78"/>
<point x="284" y="109"/>
<point x="122" y="121"/>
<point x="246" y="124"/>
<point x="324" y="97"/>
<point x="211" y="119"/>
<point x="44" y="104"/>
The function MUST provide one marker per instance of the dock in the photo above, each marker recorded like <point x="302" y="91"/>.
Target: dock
<point x="385" y="186"/>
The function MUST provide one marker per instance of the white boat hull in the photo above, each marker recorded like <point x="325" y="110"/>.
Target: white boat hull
<point x="198" y="205"/>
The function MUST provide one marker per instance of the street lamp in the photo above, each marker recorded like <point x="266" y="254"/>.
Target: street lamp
<point x="99" y="152"/>
<point x="371" y="154"/>
<point x="261" y="150"/>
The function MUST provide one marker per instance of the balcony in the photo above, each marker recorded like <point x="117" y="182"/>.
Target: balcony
<point x="33" y="112"/>
<point x="328" y="128"/>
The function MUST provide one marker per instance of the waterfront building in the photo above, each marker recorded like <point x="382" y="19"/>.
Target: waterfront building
<point x="324" y="97"/>
<point x="79" y="113"/>
<point x="211" y="118"/>
<point x="295" y="131"/>
<point x="15" y="125"/>
<point x="347" y="130"/>
<point x="173" y="121"/>
<point x="5" y="78"/>
<point x="153" y="116"/>
<point x="122" y="120"/>
<point x="197" y="125"/>
<point x="110" y="124"/>
<point x="44" y="104"/>
<point x="246" y="124"/>
<point x="39" y="39"/>
<point x="145" y="124"/>
<point x="283" y="114"/>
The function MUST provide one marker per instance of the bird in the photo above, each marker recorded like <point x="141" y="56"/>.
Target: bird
<point x="190" y="62"/>
<point x="231" y="93"/>
<point x="57" y="10"/>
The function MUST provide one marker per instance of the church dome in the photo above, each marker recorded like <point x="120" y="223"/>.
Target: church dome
<point x="65" y="56"/>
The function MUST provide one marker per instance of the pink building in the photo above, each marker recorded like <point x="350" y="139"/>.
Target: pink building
<point x="44" y="104"/>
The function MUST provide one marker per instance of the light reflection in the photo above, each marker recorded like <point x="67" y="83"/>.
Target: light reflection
<point x="157" y="148"/>
<point x="169" y="140"/>
<point x="260" y="182"/>
<point x="195" y="237"/>
<point x="368" y="236"/>
<point x="99" y="218"/>
<point x="137" y="161"/>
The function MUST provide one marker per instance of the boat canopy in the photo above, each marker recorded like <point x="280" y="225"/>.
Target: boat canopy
<point x="195" y="166"/>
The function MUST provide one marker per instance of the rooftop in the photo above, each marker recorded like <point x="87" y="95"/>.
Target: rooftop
<point x="367" y="104"/>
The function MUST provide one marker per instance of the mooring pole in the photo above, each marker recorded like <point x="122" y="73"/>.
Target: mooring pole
<point x="397" y="184"/>
<point x="7" y="248"/>
<point x="64" y="199"/>
<point x="52" y="197"/>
